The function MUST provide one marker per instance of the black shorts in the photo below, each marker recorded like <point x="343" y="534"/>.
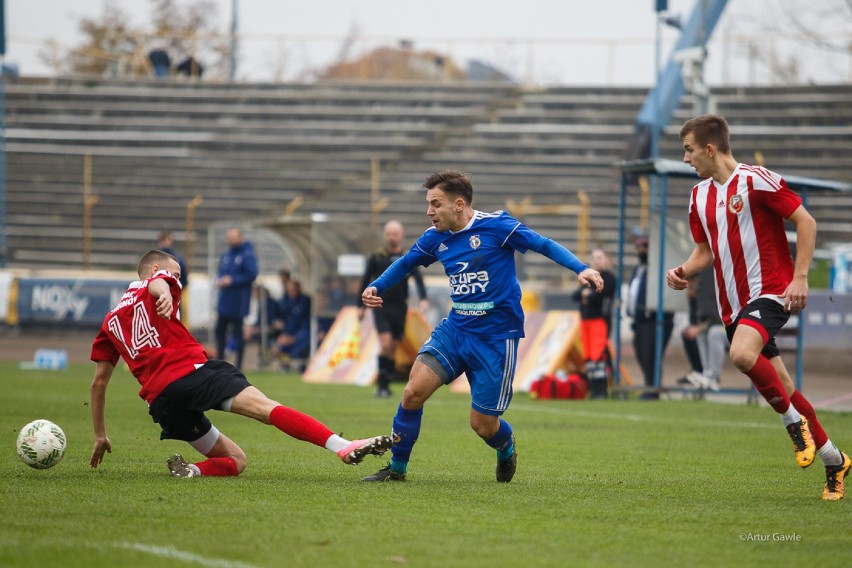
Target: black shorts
<point x="391" y="319"/>
<point x="179" y="409"/>
<point x="767" y="317"/>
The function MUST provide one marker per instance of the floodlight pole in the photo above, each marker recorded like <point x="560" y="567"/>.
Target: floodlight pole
<point x="234" y="43"/>
<point x="655" y="94"/>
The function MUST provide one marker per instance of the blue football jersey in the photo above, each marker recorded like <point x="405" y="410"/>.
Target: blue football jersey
<point x="479" y="261"/>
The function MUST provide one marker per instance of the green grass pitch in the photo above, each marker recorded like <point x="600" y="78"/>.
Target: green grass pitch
<point x="598" y="484"/>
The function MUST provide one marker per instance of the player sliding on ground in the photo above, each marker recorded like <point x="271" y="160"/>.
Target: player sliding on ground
<point x="480" y="336"/>
<point x="737" y="218"/>
<point x="180" y="383"/>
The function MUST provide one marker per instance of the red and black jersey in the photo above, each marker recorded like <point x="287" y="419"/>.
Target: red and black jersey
<point x="158" y="351"/>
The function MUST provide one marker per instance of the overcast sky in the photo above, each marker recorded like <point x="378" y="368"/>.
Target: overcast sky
<point x="600" y="42"/>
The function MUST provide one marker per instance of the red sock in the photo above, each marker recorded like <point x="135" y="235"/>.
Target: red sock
<point x="300" y="426"/>
<point x="766" y="381"/>
<point x="218" y="467"/>
<point x="804" y="407"/>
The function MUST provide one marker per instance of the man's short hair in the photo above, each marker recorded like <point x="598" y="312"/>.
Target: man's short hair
<point x="151" y="258"/>
<point x="452" y="182"/>
<point x="709" y="129"/>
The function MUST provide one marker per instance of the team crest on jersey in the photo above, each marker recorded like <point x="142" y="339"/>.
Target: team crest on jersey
<point x="736" y="204"/>
<point x="475" y="241"/>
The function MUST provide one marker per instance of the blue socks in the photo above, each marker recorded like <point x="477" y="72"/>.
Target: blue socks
<point x="502" y="441"/>
<point x="406" y="429"/>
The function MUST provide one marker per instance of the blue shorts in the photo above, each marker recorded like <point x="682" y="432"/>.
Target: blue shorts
<point x="489" y="365"/>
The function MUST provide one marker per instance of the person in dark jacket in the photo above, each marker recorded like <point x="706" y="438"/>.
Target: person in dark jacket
<point x="160" y="62"/>
<point x="237" y="272"/>
<point x="294" y="311"/>
<point x="595" y="316"/>
<point x="644" y="320"/>
<point x="390" y="320"/>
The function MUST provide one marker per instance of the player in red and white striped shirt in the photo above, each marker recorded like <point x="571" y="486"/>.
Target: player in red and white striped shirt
<point x="180" y="384"/>
<point x="737" y="218"/>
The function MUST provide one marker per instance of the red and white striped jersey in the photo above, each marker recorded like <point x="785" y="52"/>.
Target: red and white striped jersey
<point x="743" y="222"/>
<point x="158" y="351"/>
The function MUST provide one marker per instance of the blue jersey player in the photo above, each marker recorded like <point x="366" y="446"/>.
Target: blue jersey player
<point x="480" y="336"/>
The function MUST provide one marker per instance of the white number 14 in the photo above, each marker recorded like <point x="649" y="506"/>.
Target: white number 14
<point x="143" y="333"/>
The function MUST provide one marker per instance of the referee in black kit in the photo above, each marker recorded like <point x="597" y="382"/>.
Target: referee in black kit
<point x="390" y="319"/>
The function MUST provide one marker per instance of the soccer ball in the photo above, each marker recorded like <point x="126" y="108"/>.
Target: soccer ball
<point x="41" y="444"/>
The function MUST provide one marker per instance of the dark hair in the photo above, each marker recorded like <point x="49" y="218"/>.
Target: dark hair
<point x="452" y="182"/>
<point x="709" y="129"/>
<point x="151" y="258"/>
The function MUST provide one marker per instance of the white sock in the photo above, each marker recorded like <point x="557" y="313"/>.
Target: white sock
<point x="791" y="416"/>
<point x="335" y="443"/>
<point x="195" y="471"/>
<point x="829" y="454"/>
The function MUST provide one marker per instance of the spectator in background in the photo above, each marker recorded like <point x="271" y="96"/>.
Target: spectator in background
<point x="324" y="309"/>
<point x="160" y="61"/>
<point x="336" y="293"/>
<point x="645" y="321"/>
<point x="237" y="272"/>
<point x="263" y="306"/>
<point x="352" y="295"/>
<point x="294" y="341"/>
<point x="325" y="317"/>
<point x="284" y="276"/>
<point x="595" y="317"/>
<point x="704" y="339"/>
<point x="390" y="320"/>
<point x="190" y="67"/>
<point x="165" y="243"/>
<point x="689" y="335"/>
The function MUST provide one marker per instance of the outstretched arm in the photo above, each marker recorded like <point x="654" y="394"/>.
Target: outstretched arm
<point x="103" y="373"/>
<point x="564" y="257"/>
<point x="700" y="258"/>
<point x="394" y="273"/>
<point x="796" y="294"/>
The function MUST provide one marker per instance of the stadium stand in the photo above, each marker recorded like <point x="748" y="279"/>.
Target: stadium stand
<point x="250" y="150"/>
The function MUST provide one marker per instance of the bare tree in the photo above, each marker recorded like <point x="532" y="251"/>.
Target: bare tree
<point x="802" y="27"/>
<point x="111" y="46"/>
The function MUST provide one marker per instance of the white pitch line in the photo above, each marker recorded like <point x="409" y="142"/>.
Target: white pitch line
<point x="169" y="552"/>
